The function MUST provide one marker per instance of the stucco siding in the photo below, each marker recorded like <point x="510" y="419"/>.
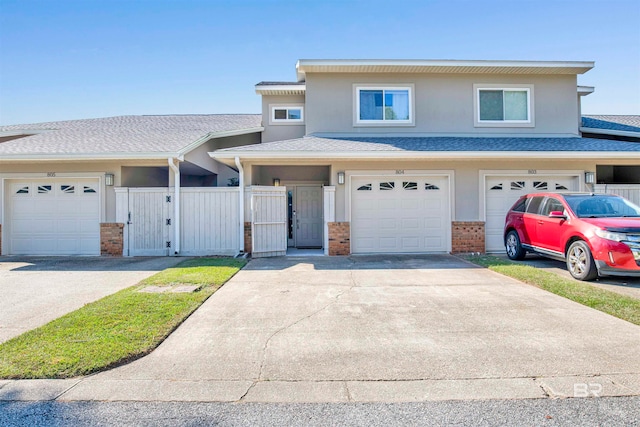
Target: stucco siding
<point x="281" y="132"/>
<point x="444" y="103"/>
<point x="466" y="177"/>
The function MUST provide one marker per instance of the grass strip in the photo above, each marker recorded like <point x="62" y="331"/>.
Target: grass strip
<point x="116" y="329"/>
<point x="620" y="306"/>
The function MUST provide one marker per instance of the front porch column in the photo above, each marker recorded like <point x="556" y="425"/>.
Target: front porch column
<point x="329" y="201"/>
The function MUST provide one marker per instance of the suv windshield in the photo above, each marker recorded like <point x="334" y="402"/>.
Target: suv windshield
<point x="601" y="206"/>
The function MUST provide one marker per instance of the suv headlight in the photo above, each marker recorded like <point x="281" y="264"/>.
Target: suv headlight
<point x="610" y="235"/>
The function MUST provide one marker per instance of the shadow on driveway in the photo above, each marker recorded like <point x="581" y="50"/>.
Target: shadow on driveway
<point x="362" y="262"/>
<point x="80" y="263"/>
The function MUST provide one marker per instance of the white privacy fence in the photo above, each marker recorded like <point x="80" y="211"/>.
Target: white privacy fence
<point x="628" y="191"/>
<point x="210" y="224"/>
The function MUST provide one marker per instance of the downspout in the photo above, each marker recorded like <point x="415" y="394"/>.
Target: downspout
<point x="240" y="204"/>
<point x="176" y="205"/>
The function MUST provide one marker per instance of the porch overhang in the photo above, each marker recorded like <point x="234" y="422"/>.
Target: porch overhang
<point x="418" y="155"/>
<point x="313" y="148"/>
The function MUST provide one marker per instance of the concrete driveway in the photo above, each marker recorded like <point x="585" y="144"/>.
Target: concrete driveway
<point x="36" y="290"/>
<point x="392" y="328"/>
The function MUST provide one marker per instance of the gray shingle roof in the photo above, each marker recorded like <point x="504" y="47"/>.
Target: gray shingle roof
<point x="122" y="134"/>
<point x="611" y="122"/>
<point x="446" y="144"/>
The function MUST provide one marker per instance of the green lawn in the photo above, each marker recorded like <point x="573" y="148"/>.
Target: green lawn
<point x="115" y="329"/>
<point x="617" y="305"/>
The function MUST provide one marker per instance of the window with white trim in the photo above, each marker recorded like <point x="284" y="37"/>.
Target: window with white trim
<point x="287" y="114"/>
<point x="503" y="105"/>
<point x="384" y="105"/>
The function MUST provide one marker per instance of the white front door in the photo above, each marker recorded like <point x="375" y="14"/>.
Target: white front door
<point x="406" y="214"/>
<point x="501" y="192"/>
<point x="53" y="217"/>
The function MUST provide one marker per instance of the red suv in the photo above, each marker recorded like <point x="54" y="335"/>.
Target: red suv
<point x="596" y="234"/>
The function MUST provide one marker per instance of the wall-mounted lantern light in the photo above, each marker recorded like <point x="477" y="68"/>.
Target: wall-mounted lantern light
<point x="341" y="178"/>
<point x="276" y="182"/>
<point x="589" y="177"/>
<point x="108" y="179"/>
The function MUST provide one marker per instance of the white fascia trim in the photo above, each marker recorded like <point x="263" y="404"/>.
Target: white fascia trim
<point x="300" y="65"/>
<point x="585" y="90"/>
<point x="280" y="88"/>
<point x="443" y="62"/>
<point x="410" y="155"/>
<point x="213" y="135"/>
<point x="90" y="156"/>
<point x="610" y="132"/>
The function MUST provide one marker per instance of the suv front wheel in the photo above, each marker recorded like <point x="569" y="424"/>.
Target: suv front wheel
<point x="580" y="261"/>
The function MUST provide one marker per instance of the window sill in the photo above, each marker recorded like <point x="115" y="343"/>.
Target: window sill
<point x="504" y="125"/>
<point x="383" y="124"/>
<point x="286" y="123"/>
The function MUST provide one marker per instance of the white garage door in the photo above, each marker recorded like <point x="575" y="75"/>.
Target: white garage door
<point x="394" y="214"/>
<point x="503" y="191"/>
<point x="53" y="217"/>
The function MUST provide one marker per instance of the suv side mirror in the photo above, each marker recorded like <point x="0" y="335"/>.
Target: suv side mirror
<point x="557" y="214"/>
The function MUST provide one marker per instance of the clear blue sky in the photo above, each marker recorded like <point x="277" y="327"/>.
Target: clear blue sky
<point x="63" y="59"/>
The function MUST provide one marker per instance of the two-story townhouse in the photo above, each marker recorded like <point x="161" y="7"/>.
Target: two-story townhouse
<point x="355" y="156"/>
<point x="406" y="156"/>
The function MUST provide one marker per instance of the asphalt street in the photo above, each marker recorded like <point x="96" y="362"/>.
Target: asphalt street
<point x="614" y="411"/>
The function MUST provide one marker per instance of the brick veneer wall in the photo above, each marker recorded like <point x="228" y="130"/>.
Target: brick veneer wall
<point x="339" y="238"/>
<point x="467" y="236"/>
<point x="247" y="238"/>
<point x="111" y="239"/>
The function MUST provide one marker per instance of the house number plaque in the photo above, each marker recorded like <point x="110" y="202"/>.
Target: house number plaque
<point x="399" y="171"/>
<point x="51" y="174"/>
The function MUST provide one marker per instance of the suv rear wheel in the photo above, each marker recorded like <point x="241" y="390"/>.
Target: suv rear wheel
<point x="580" y="261"/>
<point x="514" y="247"/>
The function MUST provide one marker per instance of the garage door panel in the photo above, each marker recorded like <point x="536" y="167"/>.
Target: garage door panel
<point x="411" y="224"/>
<point x="411" y="204"/>
<point x="54" y="217"/>
<point x="501" y="192"/>
<point x="388" y="243"/>
<point x="384" y="224"/>
<point x="406" y="218"/>
<point x="411" y="243"/>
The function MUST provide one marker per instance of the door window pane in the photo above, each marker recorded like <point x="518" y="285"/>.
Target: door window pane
<point x="534" y="205"/>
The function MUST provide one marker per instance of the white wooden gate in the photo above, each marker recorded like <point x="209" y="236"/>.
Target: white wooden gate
<point x="209" y="224"/>
<point x="146" y="213"/>
<point x="209" y="221"/>
<point x="268" y="221"/>
<point x="628" y="191"/>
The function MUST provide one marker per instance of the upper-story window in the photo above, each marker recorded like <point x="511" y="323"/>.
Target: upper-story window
<point x="383" y="105"/>
<point x="503" y="105"/>
<point x="287" y="114"/>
